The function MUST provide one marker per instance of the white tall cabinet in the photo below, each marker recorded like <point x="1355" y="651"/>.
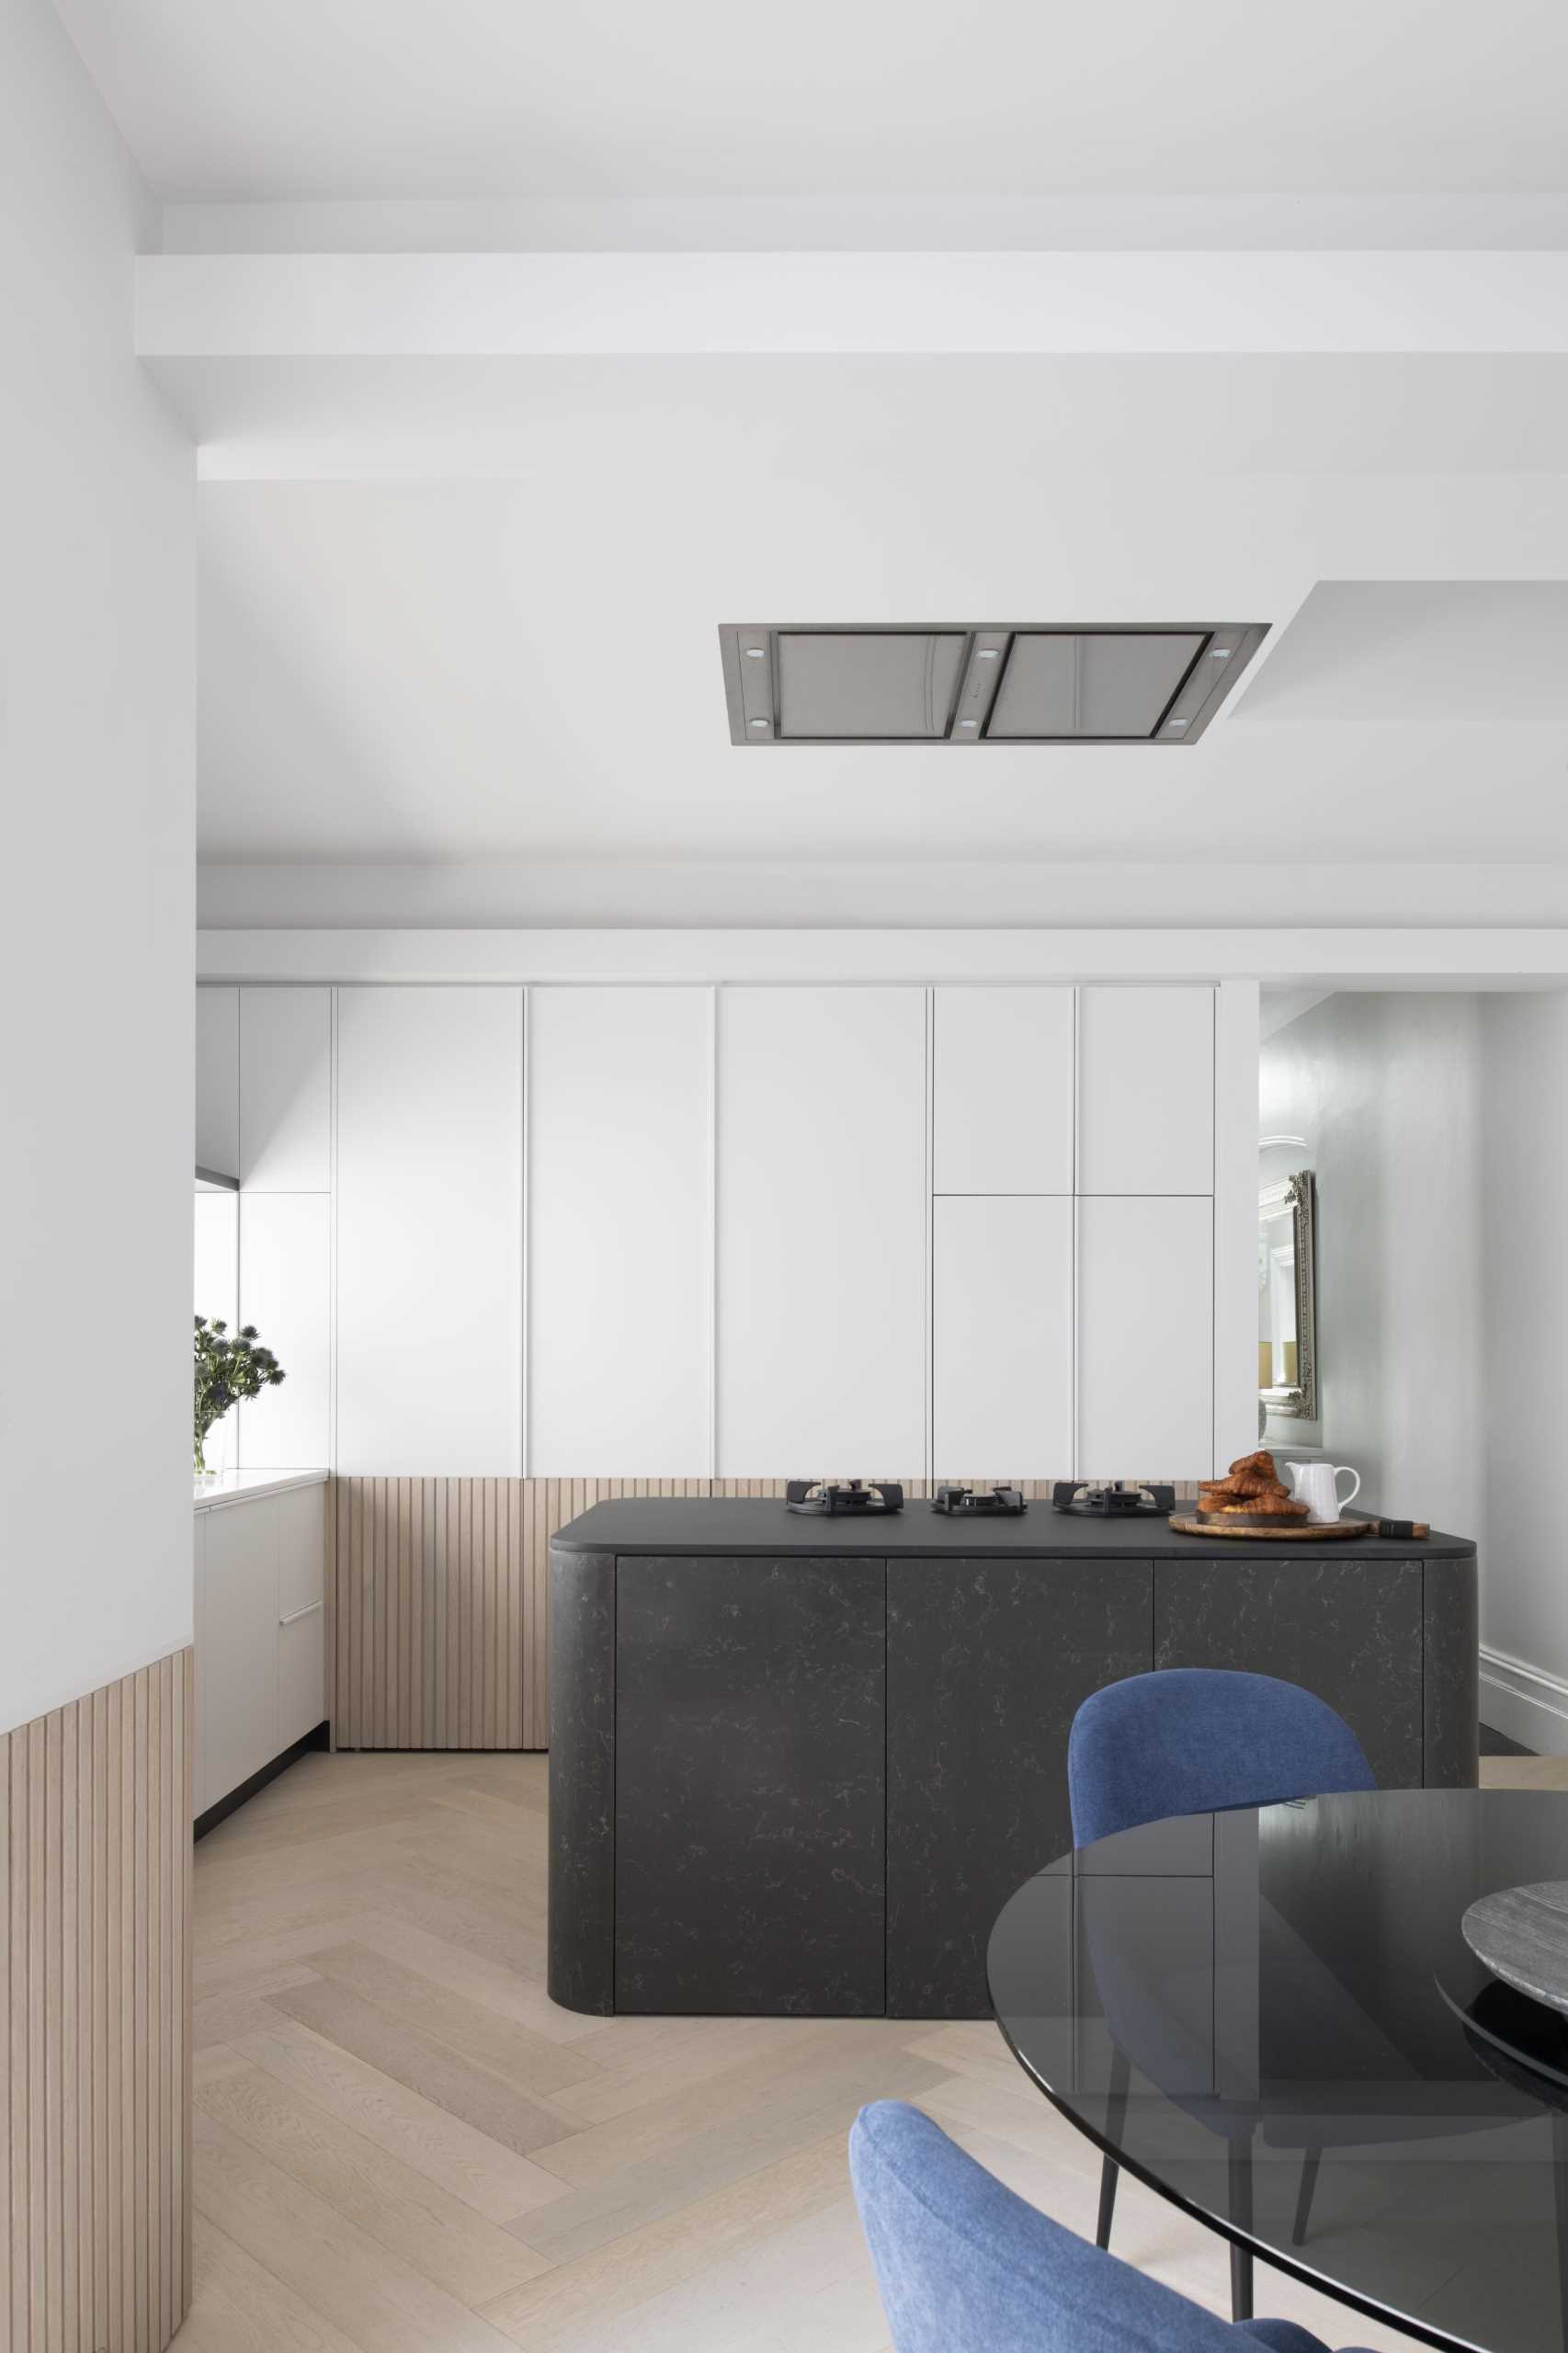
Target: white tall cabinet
<point x="1002" y="1377"/>
<point x="1146" y="1090"/>
<point x="1002" y="1083"/>
<point x="744" y="1230"/>
<point x="1002" y="1141"/>
<point x="285" y="1219"/>
<point x="429" y="1253"/>
<point x="821" y="1232"/>
<point x="1145" y="1392"/>
<point x="1145" y="1325"/>
<point x="1072" y="1232"/>
<point x="620" y="1212"/>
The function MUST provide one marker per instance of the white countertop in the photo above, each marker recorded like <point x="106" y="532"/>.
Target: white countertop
<point x="245" y="1487"/>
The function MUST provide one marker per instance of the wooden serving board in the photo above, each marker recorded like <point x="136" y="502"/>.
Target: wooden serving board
<point x="1257" y="1526"/>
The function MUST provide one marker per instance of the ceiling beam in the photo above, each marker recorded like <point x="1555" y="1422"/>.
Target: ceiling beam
<point x="366" y="305"/>
<point x="1374" y="958"/>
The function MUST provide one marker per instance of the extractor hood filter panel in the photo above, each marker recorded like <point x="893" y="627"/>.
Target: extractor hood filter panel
<point x="979" y="683"/>
<point x="835" y="685"/>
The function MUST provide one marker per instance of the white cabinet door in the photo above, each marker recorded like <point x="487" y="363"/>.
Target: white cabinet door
<point x="1002" y="1338"/>
<point x="1146" y="1090"/>
<point x="1002" y="1090"/>
<point x="286" y="1292"/>
<point x="301" y="1536"/>
<point x="286" y="1091"/>
<point x="429" y="1231"/>
<point x="302" y="1550"/>
<point x="236" y="1670"/>
<point x="218" y="1080"/>
<point x="1146" y="1338"/>
<point x="302" y="1703"/>
<point x="821" y="1232"/>
<point x="619" y="1242"/>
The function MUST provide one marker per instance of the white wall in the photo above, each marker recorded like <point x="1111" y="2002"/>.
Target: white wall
<point x="96" y="721"/>
<point x="1386" y="1091"/>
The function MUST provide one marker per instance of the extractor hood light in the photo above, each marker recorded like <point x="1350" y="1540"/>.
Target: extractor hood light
<point x="756" y="652"/>
<point x="759" y="722"/>
<point x="1221" y="653"/>
<point x="986" y="653"/>
<point x="966" y="723"/>
<point x="1176" y="725"/>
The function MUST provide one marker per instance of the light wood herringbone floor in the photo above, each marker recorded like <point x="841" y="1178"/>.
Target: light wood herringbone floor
<point x="402" y="2146"/>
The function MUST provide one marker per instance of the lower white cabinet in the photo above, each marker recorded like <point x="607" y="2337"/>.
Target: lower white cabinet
<point x="302" y="1614"/>
<point x="1145" y="1337"/>
<point x="260" y="1592"/>
<point x="1002" y="1337"/>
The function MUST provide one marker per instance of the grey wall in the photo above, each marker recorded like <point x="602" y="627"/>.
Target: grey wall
<point x="1386" y="1090"/>
<point x="1525" y="1149"/>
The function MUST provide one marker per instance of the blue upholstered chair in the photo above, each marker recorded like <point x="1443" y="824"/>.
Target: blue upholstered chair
<point x="965" y="2267"/>
<point x="1199" y="1740"/>
<point x="1202" y="1740"/>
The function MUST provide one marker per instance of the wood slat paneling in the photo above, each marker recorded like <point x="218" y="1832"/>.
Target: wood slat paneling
<point x="95" y="2018"/>
<point x="439" y="1601"/>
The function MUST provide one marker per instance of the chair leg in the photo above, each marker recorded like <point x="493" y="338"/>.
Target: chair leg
<point x="1241" y="2283"/>
<point x="1309" y="2182"/>
<point x="1241" y="2214"/>
<point x="1115" y="2119"/>
<point x="1559" y="2194"/>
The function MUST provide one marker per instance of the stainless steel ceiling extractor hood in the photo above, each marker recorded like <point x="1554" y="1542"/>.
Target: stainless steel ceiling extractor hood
<point x="1010" y="682"/>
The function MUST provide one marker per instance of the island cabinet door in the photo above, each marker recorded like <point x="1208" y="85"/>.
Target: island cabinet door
<point x="1350" y="1630"/>
<point x="987" y="1663"/>
<point x="750" y="1799"/>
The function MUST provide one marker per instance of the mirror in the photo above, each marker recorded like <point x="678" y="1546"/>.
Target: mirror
<point x="1286" y="1298"/>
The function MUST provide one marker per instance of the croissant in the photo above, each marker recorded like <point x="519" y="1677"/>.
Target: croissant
<point x="1260" y="1465"/>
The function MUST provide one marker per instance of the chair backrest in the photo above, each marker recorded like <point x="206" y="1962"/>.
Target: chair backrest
<point x="1198" y="1740"/>
<point x="965" y="2267"/>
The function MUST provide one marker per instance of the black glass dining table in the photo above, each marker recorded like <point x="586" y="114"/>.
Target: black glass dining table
<point x="1272" y="2018"/>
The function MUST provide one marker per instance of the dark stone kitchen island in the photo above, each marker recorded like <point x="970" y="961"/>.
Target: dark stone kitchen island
<point x="797" y="1765"/>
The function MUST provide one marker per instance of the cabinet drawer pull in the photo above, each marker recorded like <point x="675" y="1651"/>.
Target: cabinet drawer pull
<point x="294" y="1615"/>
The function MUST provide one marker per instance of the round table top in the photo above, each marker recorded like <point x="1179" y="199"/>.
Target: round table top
<point x="1291" y="1979"/>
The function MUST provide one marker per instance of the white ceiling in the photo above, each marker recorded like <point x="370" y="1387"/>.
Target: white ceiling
<point x="404" y="98"/>
<point x="460" y="611"/>
<point x="527" y="666"/>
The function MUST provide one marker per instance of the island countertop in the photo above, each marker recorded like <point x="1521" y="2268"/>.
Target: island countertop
<point x="763" y="1527"/>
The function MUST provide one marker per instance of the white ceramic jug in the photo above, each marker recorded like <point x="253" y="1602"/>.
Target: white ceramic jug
<point x="1317" y="1486"/>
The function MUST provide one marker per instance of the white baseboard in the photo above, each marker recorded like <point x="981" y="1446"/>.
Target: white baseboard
<point x="1524" y="1702"/>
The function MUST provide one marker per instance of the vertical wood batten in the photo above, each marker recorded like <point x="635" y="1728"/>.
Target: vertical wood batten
<point x="95" y="2018"/>
<point x="438" y="1602"/>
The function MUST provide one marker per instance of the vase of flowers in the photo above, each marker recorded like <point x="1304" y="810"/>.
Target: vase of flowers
<point x="227" y="1369"/>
